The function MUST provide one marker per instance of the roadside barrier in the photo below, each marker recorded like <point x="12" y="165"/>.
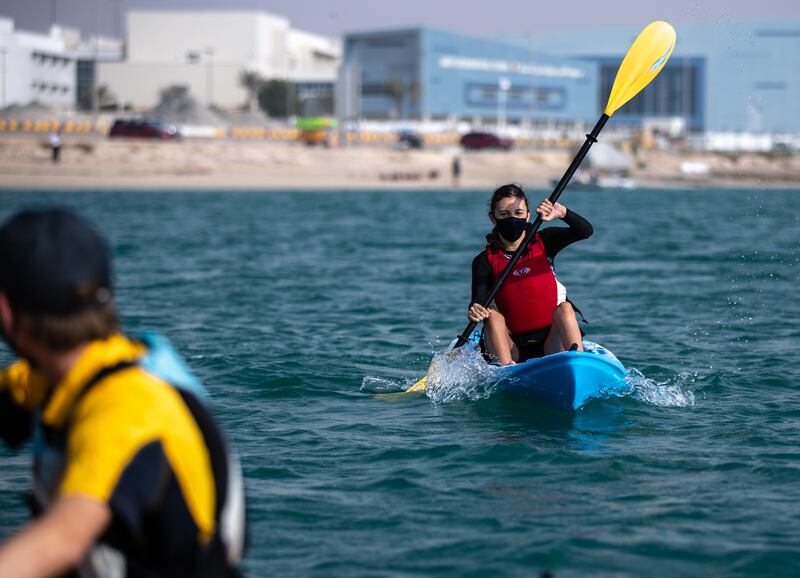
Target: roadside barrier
<point x="46" y="125"/>
<point x="15" y="125"/>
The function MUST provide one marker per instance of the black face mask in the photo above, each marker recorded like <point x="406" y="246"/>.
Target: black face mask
<point x="511" y="228"/>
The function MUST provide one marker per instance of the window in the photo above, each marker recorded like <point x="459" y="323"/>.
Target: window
<point x="517" y="98"/>
<point x="778" y="33"/>
<point x="376" y="89"/>
<point x="387" y="42"/>
<point x="770" y="85"/>
<point x="672" y="93"/>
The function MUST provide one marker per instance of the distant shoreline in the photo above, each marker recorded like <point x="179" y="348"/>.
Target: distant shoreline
<point x="104" y="165"/>
<point x="155" y="187"/>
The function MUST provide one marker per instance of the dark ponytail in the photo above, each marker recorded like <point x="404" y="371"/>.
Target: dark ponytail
<point x="506" y="191"/>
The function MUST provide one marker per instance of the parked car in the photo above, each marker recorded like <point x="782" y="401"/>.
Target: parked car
<point x="408" y="140"/>
<point x="143" y="128"/>
<point x="485" y="140"/>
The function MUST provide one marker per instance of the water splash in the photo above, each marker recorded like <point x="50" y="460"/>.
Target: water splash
<point x="380" y="385"/>
<point x="672" y="392"/>
<point x="463" y="374"/>
<point x="458" y="374"/>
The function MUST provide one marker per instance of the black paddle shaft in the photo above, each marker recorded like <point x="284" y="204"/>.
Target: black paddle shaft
<point x="532" y="228"/>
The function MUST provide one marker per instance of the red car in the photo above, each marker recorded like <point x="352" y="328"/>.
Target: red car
<point x="485" y="140"/>
<point x="143" y="128"/>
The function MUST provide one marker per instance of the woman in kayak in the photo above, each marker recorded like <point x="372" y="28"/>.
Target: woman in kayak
<point x="532" y="317"/>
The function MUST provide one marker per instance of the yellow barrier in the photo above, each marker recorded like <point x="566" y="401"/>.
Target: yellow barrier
<point x="48" y="125"/>
<point x="72" y="126"/>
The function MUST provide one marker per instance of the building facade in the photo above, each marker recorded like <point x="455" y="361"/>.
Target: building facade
<point x="87" y="52"/>
<point x="35" y="68"/>
<point x="425" y="73"/>
<point x="208" y="51"/>
<point x="723" y="76"/>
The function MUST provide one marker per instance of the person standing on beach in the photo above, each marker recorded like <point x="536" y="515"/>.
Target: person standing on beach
<point x="131" y="475"/>
<point x="456" y="171"/>
<point x="55" y="146"/>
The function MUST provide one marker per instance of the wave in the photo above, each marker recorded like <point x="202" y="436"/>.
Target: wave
<point x="672" y="392"/>
<point x="454" y="375"/>
<point x="381" y="385"/>
<point x="462" y="374"/>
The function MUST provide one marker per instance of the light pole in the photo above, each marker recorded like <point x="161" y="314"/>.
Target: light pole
<point x="95" y="87"/>
<point x="290" y="91"/>
<point x="503" y="86"/>
<point x="209" y="53"/>
<point x="3" y="57"/>
<point x="533" y="85"/>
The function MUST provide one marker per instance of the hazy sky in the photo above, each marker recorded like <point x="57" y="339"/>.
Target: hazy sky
<point x="485" y="17"/>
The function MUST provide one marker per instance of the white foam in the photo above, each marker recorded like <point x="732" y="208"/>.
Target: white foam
<point x="375" y="384"/>
<point x="460" y="374"/>
<point x="673" y="392"/>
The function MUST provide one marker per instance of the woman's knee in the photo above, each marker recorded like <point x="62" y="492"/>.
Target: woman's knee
<point x="565" y="309"/>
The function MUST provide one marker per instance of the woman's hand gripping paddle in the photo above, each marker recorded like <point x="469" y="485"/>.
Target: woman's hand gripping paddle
<point x="644" y="60"/>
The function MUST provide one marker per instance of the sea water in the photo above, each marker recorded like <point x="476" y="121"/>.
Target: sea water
<point x="296" y="309"/>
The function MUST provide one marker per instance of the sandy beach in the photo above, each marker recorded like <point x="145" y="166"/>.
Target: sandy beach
<point x="93" y="163"/>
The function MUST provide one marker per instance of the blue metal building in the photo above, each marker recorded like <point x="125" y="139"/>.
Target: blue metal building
<point x="723" y="76"/>
<point x="424" y="73"/>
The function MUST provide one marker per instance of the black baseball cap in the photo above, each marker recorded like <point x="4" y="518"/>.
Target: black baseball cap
<point x="52" y="261"/>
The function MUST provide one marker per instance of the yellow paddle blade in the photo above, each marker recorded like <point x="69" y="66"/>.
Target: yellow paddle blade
<point x="645" y="58"/>
<point x="419" y="386"/>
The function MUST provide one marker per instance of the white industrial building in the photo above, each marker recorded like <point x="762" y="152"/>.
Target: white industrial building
<point x="207" y="51"/>
<point x="35" y="68"/>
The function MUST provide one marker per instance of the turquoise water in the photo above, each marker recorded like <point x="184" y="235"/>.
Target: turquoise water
<point x="295" y="307"/>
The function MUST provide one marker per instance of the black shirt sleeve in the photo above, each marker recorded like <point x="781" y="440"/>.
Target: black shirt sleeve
<point x="556" y="238"/>
<point x="481" y="278"/>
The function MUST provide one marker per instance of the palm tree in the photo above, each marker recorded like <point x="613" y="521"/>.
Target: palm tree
<point x="105" y="98"/>
<point x="395" y="90"/>
<point x="404" y="94"/>
<point x="251" y="81"/>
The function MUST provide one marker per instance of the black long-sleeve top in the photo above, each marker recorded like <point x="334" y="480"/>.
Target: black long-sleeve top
<point x="553" y="238"/>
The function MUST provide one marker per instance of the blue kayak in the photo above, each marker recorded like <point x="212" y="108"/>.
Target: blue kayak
<point x="566" y="380"/>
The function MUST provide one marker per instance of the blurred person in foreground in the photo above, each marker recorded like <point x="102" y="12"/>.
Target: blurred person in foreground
<point x="131" y="475"/>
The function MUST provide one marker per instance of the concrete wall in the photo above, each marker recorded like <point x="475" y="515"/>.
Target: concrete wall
<point x="217" y="83"/>
<point x="168" y="37"/>
<point x="313" y="58"/>
<point x="208" y="51"/>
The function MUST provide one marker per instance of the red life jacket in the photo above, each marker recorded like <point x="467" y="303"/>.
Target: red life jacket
<point x="529" y="295"/>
